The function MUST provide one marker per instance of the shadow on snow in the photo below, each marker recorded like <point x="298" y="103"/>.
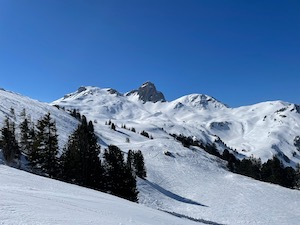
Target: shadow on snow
<point x="173" y="195"/>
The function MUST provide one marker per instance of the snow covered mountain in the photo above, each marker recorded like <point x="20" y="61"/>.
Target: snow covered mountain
<point x="188" y="183"/>
<point x="262" y="130"/>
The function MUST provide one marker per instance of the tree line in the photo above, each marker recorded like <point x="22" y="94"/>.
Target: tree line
<point x="272" y="171"/>
<point x="81" y="161"/>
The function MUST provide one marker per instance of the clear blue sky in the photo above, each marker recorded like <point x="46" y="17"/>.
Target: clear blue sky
<point x="240" y="52"/>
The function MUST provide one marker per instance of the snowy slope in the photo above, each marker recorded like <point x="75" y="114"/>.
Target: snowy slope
<point x="35" y="110"/>
<point x="262" y="130"/>
<point x="30" y="199"/>
<point x="190" y="183"/>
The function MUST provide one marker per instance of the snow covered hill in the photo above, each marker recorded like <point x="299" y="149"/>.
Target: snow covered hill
<point x="262" y="130"/>
<point x="12" y="104"/>
<point x="185" y="182"/>
<point x="30" y="199"/>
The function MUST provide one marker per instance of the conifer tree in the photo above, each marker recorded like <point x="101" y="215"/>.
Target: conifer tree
<point x="113" y="126"/>
<point x="80" y="161"/>
<point x="272" y="171"/>
<point x="139" y="164"/>
<point x="119" y="178"/>
<point x="26" y="135"/>
<point x="129" y="162"/>
<point x="70" y="160"/>
<point x="8" y="143"/>
<point x="297" y="176"/>
<point x="43" y="156"/>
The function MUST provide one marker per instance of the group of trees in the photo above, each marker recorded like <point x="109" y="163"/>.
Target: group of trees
<point x="81" y="161"/>
<point x="113" y="126"/>
<point x="272" y="171"/>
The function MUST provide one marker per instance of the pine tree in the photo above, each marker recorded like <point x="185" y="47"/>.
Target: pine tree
<point x="120" y="180"/>
<point x="297" y="176"/>
<point x="43" y="156"/>
<point x="272" y="171"/>
<point x="113" y="126"/>
<point x="144" y="133"/>
<point x="70" y="160"/>
<point x="8" y="143"/>
<point x="139" y="164"/>
<point x="129" y="162"/>
<point x="26" y="135"/>
<point x="80" y="161"/>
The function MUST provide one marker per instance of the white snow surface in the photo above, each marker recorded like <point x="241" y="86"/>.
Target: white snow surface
<point x="262" y="130"/>
<point x="33" y="200"/>
<point x="35" y="110"/>
<point x="190" y="182"/>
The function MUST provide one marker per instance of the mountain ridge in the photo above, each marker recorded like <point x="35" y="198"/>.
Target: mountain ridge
<point x="244" y="129"/>
<point x="180" y="180"/>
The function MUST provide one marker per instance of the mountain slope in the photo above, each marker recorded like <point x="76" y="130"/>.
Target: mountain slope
<point x="12" y="105"/>
<point x="261" y="130"/>
<point x="182" y="181"/>
<point x="191" y="182"/>
<point x="30" y="199"/>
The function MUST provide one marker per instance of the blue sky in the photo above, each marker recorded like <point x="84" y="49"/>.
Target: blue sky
<point x="240" y="52"/>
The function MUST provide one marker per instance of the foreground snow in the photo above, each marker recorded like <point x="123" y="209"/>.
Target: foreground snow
<point x="33" y="200"/>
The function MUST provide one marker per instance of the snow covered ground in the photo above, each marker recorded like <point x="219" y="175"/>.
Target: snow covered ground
<point x="263" y="130"/>
<point x="195" y="184"/>
<point x="27" y="199"/>
<point x="189" y="182"/>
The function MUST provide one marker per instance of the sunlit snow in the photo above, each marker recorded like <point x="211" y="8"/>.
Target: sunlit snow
<point x="189" y="183"/>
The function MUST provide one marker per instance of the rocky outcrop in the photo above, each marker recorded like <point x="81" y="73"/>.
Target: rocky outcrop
<point x="148" y="93"/>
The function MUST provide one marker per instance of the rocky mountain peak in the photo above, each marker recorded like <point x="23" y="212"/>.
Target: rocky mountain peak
<point x="148" y="93"/>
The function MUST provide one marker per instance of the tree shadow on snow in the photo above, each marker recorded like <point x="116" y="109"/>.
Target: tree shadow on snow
<point x="173" y="195"/>
<point x="193" y="219"/>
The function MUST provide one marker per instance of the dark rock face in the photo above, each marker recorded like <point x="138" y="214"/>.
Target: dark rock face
<point x="81" y="89"/>
<point x="148" y="93"/>
<point x="297" y="143"/>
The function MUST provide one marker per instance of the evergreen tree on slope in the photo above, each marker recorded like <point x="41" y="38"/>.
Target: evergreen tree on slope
<point x="8" y="142"/>
<point x="43" y="156"/>
<point x="119" y="179"/>
<point x="80" y="161"/>
<point x="27" y="135"/>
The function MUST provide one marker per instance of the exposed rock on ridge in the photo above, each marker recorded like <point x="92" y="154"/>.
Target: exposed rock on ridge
<point x="148" y="93"/>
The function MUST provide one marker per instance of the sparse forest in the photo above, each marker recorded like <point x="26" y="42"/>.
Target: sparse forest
<point x="81" y="161"/>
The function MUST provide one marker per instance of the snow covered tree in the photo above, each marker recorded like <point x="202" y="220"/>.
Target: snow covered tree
<point x="8" y="142"/>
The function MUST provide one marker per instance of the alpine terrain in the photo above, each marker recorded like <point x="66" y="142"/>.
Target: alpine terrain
<point x="195" y="150"/>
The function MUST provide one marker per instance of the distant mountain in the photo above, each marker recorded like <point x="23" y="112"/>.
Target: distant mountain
<point x="261" y="130"/>
<point x="186" y="182"/>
